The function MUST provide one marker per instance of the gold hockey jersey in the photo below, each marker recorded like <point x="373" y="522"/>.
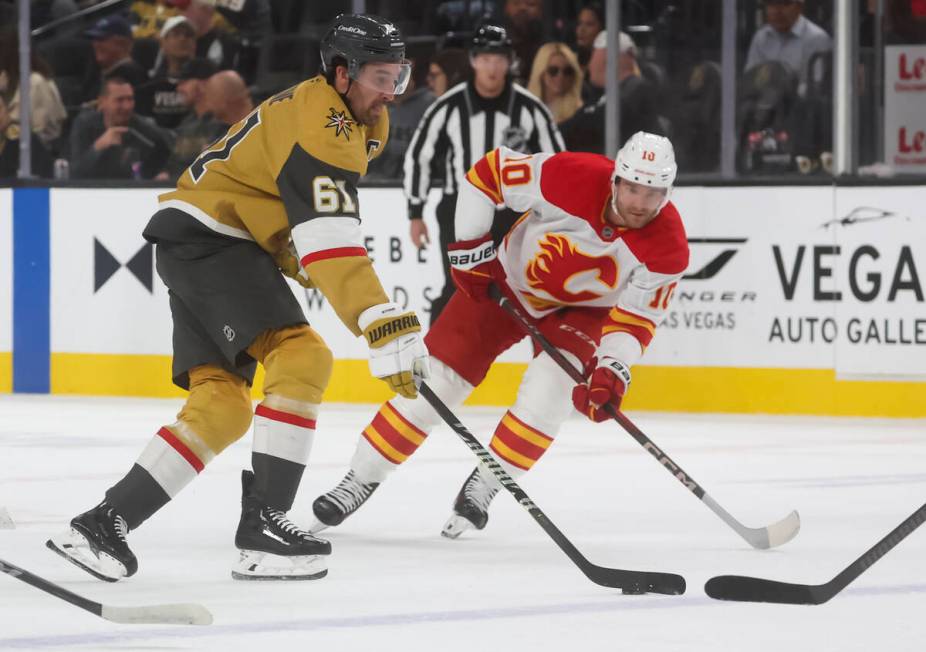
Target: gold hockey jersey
<point x="287" y="175"/>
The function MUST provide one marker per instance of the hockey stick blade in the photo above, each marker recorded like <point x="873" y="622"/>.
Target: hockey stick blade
<point x="159" y="614"/>
<point x="740" y="588"/>
<point x="165" y="614"/>
<point x="762" y="538"/>
<point x="630" y="581"/>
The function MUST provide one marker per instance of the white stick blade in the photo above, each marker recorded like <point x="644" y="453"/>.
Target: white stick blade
<point x="160" y="614"/>
<point x="784" y="530"/>
<point x="6" y="521"/>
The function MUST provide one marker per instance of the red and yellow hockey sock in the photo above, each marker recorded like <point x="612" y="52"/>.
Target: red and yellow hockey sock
<point x="518" y="443"/>
<point x="387" y="441"/>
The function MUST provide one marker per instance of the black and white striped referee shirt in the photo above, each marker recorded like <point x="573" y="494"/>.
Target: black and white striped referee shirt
<point x="462" y="126"/>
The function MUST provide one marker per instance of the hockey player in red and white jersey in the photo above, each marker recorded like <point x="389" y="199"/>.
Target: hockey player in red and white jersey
<point x="594" y="259"/>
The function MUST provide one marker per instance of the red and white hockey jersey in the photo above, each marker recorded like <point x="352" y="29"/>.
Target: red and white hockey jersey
<point x="563" y="251"/>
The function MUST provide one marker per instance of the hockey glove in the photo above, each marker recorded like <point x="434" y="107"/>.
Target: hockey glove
<point x="608" y="381"/>
<point x="474" y="266"/>
<point x="397" y="350"/>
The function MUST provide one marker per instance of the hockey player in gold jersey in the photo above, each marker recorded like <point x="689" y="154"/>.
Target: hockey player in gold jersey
<point x="277" y="194"/>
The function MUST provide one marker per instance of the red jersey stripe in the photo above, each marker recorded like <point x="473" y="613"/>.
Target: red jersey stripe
<point x="284" y="417"/>
<point x="337" y="252"/>
<point x="181" y="448"/>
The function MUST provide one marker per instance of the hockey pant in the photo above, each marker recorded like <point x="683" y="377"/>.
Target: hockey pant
<point x="218" y="412"/>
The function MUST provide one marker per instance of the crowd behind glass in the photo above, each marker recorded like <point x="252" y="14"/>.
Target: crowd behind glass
<point x="138" y="92"/>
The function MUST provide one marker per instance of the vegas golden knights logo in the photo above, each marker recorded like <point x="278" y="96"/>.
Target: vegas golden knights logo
<point x="339" y="121"/>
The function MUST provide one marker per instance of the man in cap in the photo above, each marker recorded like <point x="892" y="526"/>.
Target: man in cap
<point x="160" y="98"/>
<point x="639" y="103"/>
<point x="111" y="38"/>
<point x="199" y="128"/>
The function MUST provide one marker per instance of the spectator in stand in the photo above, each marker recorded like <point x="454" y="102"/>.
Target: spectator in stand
<point x="160" y="99"/>
<point x="229" y="99"/>
<point x="9" y="149"/>
<point x="789" y="38"/>
<point x="639" y="106"/>
<point x="556" y="78"/>
<point x="589" y="24"/>
<point x="213" y="41"/>
<point x="448" y="68"/>
<point x="199" y="128"/>
<point x="112" y="142"/>
<point x="48" y="113"/>
<point x="524" y="20"/>
<point x="405" y="113"/>
<point x="111" y="38"/>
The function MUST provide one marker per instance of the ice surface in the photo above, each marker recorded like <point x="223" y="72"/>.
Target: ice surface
<point x="395" y="584"/>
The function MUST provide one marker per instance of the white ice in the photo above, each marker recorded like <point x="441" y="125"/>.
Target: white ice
<point x="395" y="584"/>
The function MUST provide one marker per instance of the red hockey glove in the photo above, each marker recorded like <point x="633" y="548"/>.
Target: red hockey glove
<point x="474" y="267"/>
<point x="608" y="381"/>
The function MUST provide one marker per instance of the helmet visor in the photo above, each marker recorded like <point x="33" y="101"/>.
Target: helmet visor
<point x="388" y="78"/>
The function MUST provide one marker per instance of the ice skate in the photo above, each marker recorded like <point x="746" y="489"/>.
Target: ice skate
<point x="96" y="543"/>
<point x="471" y="508"/>
<point x="271" y="546"/>
<point x="333" y="507"/>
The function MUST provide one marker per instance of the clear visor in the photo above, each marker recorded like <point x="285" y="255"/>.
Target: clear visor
<point x="387" y="78"/>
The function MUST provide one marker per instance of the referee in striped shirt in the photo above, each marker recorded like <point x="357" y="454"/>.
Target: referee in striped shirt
<point x="467" y="121"/>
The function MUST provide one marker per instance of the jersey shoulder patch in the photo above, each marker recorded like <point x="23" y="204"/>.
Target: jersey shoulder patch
<point x="661" y="245"/>
<point x="578" y="183"/>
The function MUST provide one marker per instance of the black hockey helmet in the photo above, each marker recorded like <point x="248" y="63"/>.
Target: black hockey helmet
<point x="360" y="39"/>
<point x="491" y="38"/>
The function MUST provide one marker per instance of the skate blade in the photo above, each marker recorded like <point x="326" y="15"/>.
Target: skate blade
<point x="317" y="527"/>
<point x="455" y="526"/>
<point x="254" y="565"/>
<point x="74" y="547"/>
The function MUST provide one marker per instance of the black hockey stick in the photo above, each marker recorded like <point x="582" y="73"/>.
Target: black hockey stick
<point x="632" y="582"/>
<point x="161" y="614"/>
<point x="771" y="536"/>
<point x="755" y="589"/>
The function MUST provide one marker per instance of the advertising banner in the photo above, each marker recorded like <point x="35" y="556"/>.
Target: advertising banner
<point x="105" y="295"/>
<point x="904" y="102"/>
<point x="821" y="280"/>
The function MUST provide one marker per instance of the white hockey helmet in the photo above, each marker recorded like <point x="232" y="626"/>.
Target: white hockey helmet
<point x="647" y="159"/>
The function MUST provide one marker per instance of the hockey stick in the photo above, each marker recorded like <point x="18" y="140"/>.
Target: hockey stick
<point x="771" y="536"/>
<point x="161" y="614"/>
<point x="632" y="582"/>
<point x="755" y="589"/>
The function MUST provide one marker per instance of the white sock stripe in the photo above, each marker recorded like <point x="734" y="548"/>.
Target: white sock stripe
<point x="283" y="440"/>
<point x="168" y="467"/>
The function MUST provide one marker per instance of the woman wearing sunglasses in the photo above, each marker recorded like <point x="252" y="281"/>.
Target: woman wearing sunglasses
<point x="556" y="78"/>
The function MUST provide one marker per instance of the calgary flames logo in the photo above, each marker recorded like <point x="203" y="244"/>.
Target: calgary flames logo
<point x="559" y="261"/>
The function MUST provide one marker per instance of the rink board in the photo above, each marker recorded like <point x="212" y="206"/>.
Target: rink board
<point x="803" y="300"/>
